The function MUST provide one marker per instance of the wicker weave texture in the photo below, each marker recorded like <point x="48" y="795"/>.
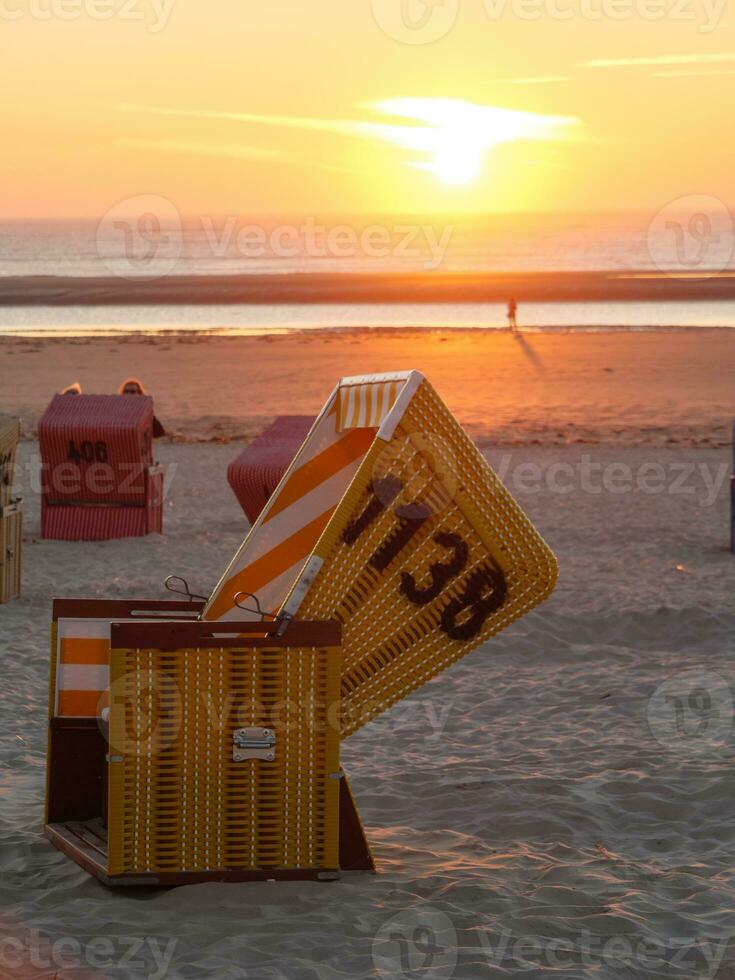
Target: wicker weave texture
<point x="178" y="801"/>
<point x="9" y="436"/>
<point x="11" y="542"/>
<point x="422" y="576"/>
<point x="96" y="448"/>
<point x="257" y="471"/>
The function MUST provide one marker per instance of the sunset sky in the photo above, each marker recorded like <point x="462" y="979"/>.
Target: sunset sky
<point x="293" y="107"/>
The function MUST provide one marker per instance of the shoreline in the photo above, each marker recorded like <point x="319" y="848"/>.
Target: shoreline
<point x="364" y="288"/>
<point x="161" y="331"/>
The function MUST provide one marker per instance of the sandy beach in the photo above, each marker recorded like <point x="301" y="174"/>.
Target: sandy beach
<point x="560" y="803"/>
<point x="663" y="387"/>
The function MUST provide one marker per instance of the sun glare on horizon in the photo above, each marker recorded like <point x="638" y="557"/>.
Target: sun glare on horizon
<point x="458" y="134"/>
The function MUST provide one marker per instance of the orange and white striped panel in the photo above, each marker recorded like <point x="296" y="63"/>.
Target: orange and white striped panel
<point x="275" y="551"/>
<point x="83" y="667"/>
<point x="365" y="402"/>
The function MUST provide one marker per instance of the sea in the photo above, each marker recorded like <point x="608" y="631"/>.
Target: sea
<point x="684" y="240"/>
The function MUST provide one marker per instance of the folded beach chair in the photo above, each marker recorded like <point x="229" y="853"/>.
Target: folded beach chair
<point x="99" y="479"/>
<point x="388" y="551"/>
<point x="11" y="516"/>
<point x="257" y="471"/>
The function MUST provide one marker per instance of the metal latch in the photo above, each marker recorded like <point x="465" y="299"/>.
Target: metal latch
<point x="253" y="743"/>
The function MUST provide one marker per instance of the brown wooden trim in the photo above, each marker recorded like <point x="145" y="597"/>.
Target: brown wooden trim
<point x="76" y="770"/>
<point x="171" y="635"/>
<point x="354" y="850"/>
<point x="63" y="722"/>
<point x="74" y="847"/>
<point x="119" y="608"/>
<point x="67" y="839"/>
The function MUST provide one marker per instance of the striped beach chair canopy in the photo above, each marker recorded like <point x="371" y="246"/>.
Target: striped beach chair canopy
<point x="390" y="521"/>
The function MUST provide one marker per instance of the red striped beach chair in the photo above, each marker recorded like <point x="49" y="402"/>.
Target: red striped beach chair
<point x="99" y="479"/>
<point x="257" y="471"/>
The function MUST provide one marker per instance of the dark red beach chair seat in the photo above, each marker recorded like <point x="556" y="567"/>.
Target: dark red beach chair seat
<point x="257" y="471"/>
<point x="99" y="480"/>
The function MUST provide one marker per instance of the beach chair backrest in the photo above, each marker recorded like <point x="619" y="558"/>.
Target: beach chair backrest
<point x="391" y="522"/>
<point x="96" y="448"/>
<point x="80" y="648"/>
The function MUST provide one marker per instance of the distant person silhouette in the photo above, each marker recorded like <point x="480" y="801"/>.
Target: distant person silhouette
<point x="512" y="307"/>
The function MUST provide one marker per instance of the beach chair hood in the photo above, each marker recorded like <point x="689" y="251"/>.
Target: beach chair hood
<point x="390" y="521"/>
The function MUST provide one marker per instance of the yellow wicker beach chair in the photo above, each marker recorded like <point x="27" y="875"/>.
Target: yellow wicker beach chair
<point x="390" y="521"/>
<point x="210" y="734"/>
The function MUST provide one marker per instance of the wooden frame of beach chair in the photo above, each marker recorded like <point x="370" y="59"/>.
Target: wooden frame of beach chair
<point x="99" y="478"/>
<point x="202" y="794"/>
<point x="259" y="468"/>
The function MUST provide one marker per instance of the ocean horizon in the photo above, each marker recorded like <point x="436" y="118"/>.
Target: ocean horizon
<point x="146" y="247"/>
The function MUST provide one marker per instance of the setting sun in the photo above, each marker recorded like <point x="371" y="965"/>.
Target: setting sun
<point x="458" y="134"/>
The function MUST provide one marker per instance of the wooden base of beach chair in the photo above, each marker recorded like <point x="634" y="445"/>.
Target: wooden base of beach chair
<point x="85" y="842"/>
<point x="77" y="815"/>
<point x="11" y="538"/>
